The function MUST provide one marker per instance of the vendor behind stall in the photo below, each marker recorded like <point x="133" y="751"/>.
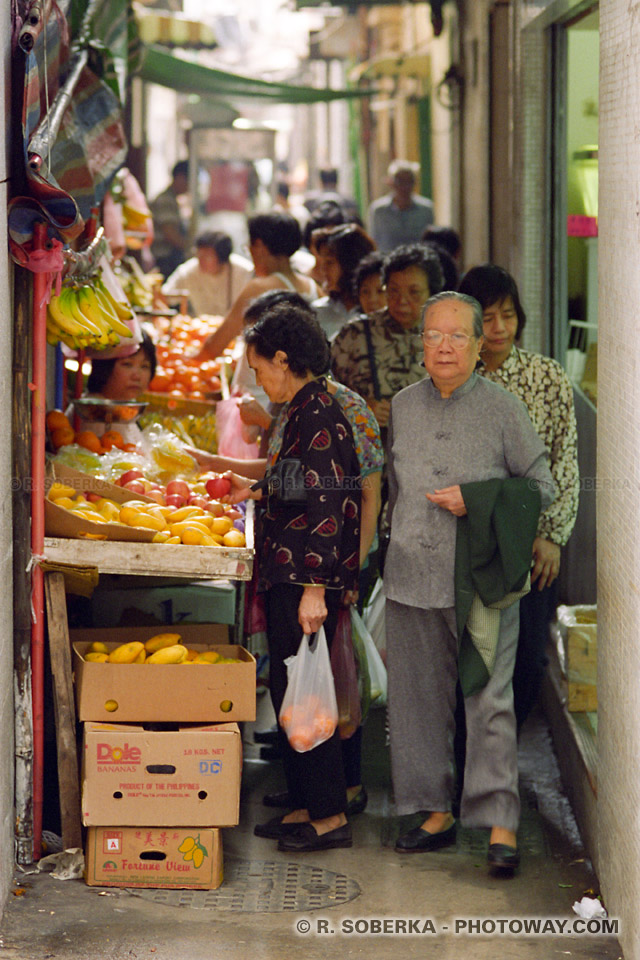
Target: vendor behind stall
<point x="121" y="378"/>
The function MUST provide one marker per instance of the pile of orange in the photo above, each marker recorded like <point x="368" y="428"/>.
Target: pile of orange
<point x="62" y="434"/>
<point x="176" y="373"/>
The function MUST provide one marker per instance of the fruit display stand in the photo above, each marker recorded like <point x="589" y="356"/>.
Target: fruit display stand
<point x="64" y="557"/>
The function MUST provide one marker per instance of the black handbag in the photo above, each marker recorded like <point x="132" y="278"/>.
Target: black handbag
<point x="285" y="482"/>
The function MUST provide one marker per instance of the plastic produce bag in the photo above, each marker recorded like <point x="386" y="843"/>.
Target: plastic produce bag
<point x="373" y="616"/>
<point x="345" y="676"/>
<point x="229" y="427"/>
<point x="309" y="712"/>
<point x="375" y="666"/>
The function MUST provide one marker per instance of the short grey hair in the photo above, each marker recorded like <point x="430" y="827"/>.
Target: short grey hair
<point x="461" y="298"/>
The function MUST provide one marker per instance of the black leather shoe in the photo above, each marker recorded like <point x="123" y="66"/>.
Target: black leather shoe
<point x="266" y="736"/>
<point x="306" y="840"/>
<point x="358" y="803"/>
<point x="419" y="840"/>
<point x="274" y="829"/>
<point x="503" y="857"/>
<point x="277" y="800"/>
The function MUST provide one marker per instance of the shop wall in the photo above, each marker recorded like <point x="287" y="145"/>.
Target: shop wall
<point x="475" y="132"/>
<point x="6" y="536"/>
<point x="619" y="471"/>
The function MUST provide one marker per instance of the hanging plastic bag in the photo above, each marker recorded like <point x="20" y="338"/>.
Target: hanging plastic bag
<point x="229" y="427"/>
<point x="373" y="616"/>
<point x="364" y="680"/>
<point x="375" y="666"/>
<point x="309" y="712"/>
<point x="345" y="676"/>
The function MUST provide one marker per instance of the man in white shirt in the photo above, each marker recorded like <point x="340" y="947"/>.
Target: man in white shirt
<point x="213" y="278"/>
<point x="400" y="216"/>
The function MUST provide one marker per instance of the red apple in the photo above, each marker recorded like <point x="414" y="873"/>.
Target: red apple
<point x="135" y="486"/>
<point x="180" y="488"/>
<point x="158" y="496"/>
<point x="92" y="497"/>
<point x="215" y="508"/>
<point x="175" y="500"/>
<point x="130" y="475"/>
<point x="234" y="514"/>
<point x="218" y="487"/>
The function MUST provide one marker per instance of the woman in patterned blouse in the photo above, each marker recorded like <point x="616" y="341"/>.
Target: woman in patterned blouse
<point x="546" y="391"/>
<point x="308" y="555"/>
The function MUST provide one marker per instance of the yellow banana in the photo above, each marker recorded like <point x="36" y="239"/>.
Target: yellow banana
<point x="126" y="652"/>
<point x="117" y="325"/>
<point x="120" y="307"/>
<point x="98" y="334"/>
<point x="91" y="308"/>
<point x="59" y="311"/>
<point x="174" y="654"/>
<point x="161" y="640"/>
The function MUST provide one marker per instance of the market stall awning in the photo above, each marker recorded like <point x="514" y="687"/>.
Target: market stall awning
<point x="179" y="73"/>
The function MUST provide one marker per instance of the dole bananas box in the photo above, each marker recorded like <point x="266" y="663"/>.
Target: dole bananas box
<point x="176" y="776"/>
<point x="168" y="692"/>
<point x="166" y="857"/>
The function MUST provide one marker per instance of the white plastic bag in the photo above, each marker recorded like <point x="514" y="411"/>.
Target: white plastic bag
<point x="309" y="711"/>
<point x="373" y="616"/>
<point x="375" y="666"/>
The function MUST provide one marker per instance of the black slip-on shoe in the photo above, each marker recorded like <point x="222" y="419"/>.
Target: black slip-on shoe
<point x="420" y="841"/>
<point x="357" y="804"/>
<point x="266" y="736"/>
<point x="503" y="857"/>
<point x="306" y="840"/>
<point x="274" y="829"/>
<point x="277" y="800"/>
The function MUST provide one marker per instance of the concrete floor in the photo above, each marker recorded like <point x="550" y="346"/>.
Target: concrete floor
<point x="66" y="919"/>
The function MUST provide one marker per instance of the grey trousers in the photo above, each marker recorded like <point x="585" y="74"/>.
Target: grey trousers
<point x="422" y="664"/>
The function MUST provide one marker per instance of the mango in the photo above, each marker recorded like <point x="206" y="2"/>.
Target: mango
<point x="174" y="654"/>
<point x="126" y="652"/>
<point x="160" y="640"/>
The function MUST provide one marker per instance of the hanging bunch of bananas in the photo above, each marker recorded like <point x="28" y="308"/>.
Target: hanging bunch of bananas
<point x="87" y="315"/>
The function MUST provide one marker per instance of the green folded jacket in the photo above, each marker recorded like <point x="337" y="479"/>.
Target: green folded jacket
<point x="494" y="544"/>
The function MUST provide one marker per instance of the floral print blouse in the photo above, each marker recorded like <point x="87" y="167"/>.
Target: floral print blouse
<point x="366" y="432"/>
<point x="546" y="391"/>
<point x="319" y="543"/>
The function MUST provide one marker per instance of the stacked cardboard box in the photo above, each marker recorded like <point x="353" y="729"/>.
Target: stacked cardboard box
<point x="158" y="784"/>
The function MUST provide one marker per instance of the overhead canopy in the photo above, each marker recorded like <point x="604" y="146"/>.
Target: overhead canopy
<point x="178" y="73"/>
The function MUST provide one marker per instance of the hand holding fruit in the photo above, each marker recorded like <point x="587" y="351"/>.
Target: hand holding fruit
<point x="239" y="489"/>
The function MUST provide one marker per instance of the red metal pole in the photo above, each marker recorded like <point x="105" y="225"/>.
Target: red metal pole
<point x="38" y="427"/>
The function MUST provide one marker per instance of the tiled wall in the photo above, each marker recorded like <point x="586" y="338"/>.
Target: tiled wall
<point x="619" y="468"/>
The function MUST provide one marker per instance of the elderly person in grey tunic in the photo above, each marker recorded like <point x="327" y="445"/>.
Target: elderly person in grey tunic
<point x="451" y="428"/>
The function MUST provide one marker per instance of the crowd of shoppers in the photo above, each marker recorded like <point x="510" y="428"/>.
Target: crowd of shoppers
<point x="399" y="371"/>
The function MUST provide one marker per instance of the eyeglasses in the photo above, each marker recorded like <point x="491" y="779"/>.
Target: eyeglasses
<point x="433" y="338"/>
<point x="414" y="296"/>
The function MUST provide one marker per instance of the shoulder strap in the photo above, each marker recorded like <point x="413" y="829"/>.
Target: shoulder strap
<point x="372" y="358"/>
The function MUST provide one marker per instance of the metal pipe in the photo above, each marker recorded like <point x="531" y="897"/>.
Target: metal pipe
<point x="38" y="387"/>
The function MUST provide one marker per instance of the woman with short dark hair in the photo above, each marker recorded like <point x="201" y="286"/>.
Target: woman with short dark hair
<point x="308" y="555"/>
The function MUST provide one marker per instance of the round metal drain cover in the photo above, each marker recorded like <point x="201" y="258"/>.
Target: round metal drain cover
<point x="262" y="886"/>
